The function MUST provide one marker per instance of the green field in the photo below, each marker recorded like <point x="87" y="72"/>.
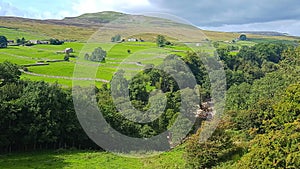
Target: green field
<point x="90" y="159"/>
<point x="142" y="53"/>
<point x="14" y="33"/>
<point x="78" y="69"/>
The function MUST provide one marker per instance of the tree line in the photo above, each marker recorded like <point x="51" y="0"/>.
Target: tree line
<point x="36" y="115"/>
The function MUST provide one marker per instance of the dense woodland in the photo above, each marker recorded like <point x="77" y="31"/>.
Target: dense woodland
<point x="260" y="126"/>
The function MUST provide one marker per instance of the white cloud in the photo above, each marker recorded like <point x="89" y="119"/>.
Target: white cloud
<point x="7" y="9"/>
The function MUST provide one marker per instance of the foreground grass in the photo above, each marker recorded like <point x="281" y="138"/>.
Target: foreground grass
<point x="90" y="159"/>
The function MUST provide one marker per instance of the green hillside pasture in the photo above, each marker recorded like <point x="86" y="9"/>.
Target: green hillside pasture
<point x="13" y="34"/>
<point x="20" y="60"/>
<point x="142" y="53"/>
<point x="63" y="82"/>
<point x="33" y="53"/>
<point x="54" y="69"/>
<point x="49" y="52"/>
<point x="119" y="51"/>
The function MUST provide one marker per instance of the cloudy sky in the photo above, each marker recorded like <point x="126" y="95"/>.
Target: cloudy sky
<point x="224" y="15"/>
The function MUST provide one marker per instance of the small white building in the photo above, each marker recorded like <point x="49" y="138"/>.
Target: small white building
<point x="33" y="41"/>
<point x="132" y="40"/>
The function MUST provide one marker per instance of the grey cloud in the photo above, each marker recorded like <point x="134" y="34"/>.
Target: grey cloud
<point x="221" y="12"/>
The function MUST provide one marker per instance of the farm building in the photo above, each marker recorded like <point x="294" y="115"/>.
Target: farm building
<point x="33" y="41"/>
<point x="132" y="40"/>
<point x="69" y="50"/>
<point x="43" y="42"/>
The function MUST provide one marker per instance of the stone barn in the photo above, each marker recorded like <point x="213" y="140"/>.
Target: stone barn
<point x="69" y="50"/>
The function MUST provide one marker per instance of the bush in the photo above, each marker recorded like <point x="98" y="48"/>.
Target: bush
<point x="25" y="69"/>
<point x="161" y="41"/>
<point x="56" y="42"/>
<point x="116" y="38"/>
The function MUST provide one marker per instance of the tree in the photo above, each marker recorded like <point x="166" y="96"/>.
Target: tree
<point x="208" y="154"/>
<point x="276" y="149"/>
<point x="160" y="41"/>
<point x="9" y="73"/>
<point x="98" y="55"/>
<point x="116" y="38"/>
<point x="216" y="44"/>
<point x="243" y="37"/>
<point x="3" y="42"/>
<point x="21" y="41"/>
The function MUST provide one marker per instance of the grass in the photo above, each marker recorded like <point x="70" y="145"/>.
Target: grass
<point x="90" y="159"/>
<point x="14" y="33"/>
<point x="62" y="82"/>
<point x="117" y="58"/>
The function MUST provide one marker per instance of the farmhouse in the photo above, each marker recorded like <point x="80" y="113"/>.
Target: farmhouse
<point x="132" y="40"/>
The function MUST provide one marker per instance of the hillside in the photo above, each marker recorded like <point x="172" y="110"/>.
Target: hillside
<point x="110" y="23"/>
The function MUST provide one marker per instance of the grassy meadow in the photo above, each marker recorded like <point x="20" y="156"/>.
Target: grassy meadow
<point x="77" y="159"/>
<point x="141" y="54"/>
<point x="79" y="69"/>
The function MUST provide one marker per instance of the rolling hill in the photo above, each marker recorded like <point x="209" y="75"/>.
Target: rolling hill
<point x="109" y="23"/>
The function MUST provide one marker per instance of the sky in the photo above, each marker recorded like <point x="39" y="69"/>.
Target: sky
<point x="222" y="15"/>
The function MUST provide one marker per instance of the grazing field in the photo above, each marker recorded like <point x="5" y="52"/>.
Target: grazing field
<point x="62" y="72"/>
<point x="90" y="159"/>
<point x="14" y="33"/>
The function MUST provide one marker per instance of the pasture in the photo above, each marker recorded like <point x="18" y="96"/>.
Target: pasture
<point x="85" y="72"/>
